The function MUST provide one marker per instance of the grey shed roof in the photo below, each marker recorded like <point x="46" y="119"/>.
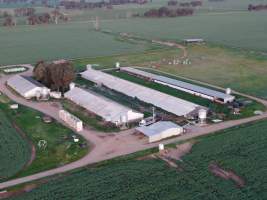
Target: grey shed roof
<point x="157" y="128"/>
<point x="178" y="83"/>
<point x="23" y="84"/>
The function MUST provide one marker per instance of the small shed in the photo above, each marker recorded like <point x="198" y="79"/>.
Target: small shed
<point x="160" y="130"/>
<point x="193" y="41"/>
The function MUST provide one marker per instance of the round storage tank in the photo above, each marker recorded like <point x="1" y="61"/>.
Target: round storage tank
<point x="72" y="86"/>
<point x="228" y="91"/>
<point x="202" y="115"/>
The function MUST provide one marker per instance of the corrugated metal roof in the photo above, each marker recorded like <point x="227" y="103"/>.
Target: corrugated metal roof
<point x="157" y="128"/>
<point x="166" y="102"/>
<point x="103" y="107"/>
<point x="23" y="84"/>
<point x="182" y="84"/>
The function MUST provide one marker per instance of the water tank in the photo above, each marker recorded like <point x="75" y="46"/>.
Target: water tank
<point x="161" y="147"/>
<point x="228" y="91"/>
<point x="72" y="86"/>
<point x="202" y="115"/>
<point x="124" y="119"/>
<point x="117" y="65"/>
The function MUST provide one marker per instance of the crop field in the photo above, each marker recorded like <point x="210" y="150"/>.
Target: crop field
<point x="242" y="150"/>
<point x="14" y="149"/>
<point x="60" y="148"/>
<point x="28" y="44"/>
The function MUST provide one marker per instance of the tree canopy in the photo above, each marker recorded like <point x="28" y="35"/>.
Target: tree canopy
<point x="56" y="76"/>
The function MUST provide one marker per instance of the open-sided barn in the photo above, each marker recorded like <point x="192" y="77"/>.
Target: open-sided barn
<point x="161" y="100"/>
<point x="109" y="110"/>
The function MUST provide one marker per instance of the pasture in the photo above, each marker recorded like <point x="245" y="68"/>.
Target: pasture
<point x="242" y="150"/>
<point x="29" y="44"/>
<point x="243" y="71"/>
<point x="14" y="149"/>
<point x="59" y="149"/>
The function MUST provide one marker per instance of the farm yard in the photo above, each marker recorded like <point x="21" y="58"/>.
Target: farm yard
<point x="242" y="151"/>
<point x="59" y="149"/>
<point x="15" y="150"/>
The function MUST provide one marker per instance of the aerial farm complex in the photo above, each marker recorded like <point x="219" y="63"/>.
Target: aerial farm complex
<point x="154" y="127"/>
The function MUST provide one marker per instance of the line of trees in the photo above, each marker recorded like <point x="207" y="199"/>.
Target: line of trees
<point x="22" y="12"/>
<point x="257" y="7"/>
<point x="186" y="4"/>
<point x="166" y="12"/>
<point x="101" y="4"/>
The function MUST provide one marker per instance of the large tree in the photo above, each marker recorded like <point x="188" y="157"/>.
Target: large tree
<point x="56" y="76"/>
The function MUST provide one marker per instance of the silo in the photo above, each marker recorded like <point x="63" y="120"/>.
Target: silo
<point x="202" y="115"/>
<point x="228" y="91"/>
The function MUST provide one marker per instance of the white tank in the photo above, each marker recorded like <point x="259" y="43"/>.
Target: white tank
<point x="72" y="86"/>
<point x="117" y="65"/>
<point x="202" y="115"/>
<point x="124" y="119"/>
<point x="161" y="147"/>
<point x="228" y="91"/>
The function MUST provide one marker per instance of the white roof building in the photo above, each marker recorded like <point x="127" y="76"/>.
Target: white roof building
<point x="27" y="87"/>
<point x="160" y="130"/>
<point x="103" y="107"/>
<point x="201" y="91"/>
<point x="161" y="100"/>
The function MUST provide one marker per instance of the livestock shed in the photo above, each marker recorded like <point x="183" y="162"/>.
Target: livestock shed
<point x="193" y="41"/>
<point x="193" y="89"/>
<point x="109" y="110"/>
<point x="161" y="100"/>
<point x="71" y="120"/>
<point x="28" y="87"/>
<point x="160" y="130"/>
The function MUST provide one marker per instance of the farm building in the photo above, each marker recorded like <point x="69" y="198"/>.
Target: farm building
<point x="28" y="87"/>
<point x="109" y="110"/>
<point x="161" y="100"/>
<point x="193" y="41"/>
<point x="203" y="92"/>
<point x="71" y="120"/>
<point x="160" y="130"/>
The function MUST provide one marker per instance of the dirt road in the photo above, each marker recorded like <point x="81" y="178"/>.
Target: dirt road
<point x="105" y="146"/>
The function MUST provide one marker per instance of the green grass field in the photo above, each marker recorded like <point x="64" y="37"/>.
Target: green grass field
<point x="60" y="147"/>
<point x="14" y="149"/>
<point x="240" y="70"/>
<point x="241" y="149"/>
<point x="29" y="44"/>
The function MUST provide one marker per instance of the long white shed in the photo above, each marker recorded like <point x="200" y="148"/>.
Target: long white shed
<point x="204" y="92"/>
<point x="28" y="87"/>
<point x="161" y="100"/>
<point x="109" y="110"/>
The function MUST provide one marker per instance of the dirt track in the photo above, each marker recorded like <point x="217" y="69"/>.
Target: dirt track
<point x="106" y="146"/>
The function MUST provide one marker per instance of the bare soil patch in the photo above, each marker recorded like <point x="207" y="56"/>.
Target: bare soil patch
<point x="216" y="170"/>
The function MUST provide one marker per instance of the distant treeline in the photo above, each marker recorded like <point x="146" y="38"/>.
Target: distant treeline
<point x="101" y="4"/>
<point x="186" y="4"/>
<point x="13" y="1"/>
<point x="257" y="7"/>
<point x="34" y="19"/>
<point x="166" y="12"/>
<point x="22" y="12"/>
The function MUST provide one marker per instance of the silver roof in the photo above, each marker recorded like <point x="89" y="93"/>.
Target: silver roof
<point x="178" y="83"/>
<point x="164" y="101"/>
<point x="23" y="84"/>
<point x="157" y="128"/>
